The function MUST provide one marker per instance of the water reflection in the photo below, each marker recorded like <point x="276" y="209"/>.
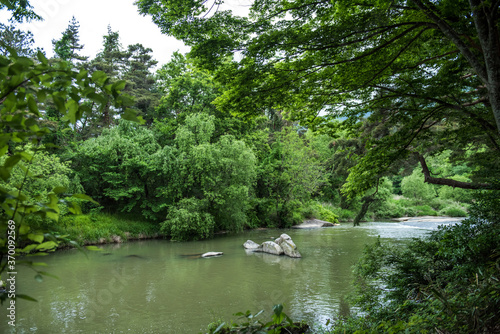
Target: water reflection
<point x="160" y="290"/>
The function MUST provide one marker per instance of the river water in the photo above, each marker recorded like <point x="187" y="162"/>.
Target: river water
<point x="158" y="286"/>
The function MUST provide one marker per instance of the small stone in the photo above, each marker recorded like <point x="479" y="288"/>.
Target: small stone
<point x="212" y="254"/>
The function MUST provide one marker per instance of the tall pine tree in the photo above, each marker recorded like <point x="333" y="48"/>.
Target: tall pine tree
<point x="68" y="47"/>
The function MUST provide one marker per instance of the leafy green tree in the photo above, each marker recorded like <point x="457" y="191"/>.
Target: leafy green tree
<point x="413" y="187"/>
<point x="111" y="61"/>
<point x="214" y="179"/>
<point x="126" y="170"/>
<point x="288" y="177"/>
<point x="19" y="40"/>
<point x="186" y="90"/>
<point x="68" y="46"/>
<point x="21" y="10"/>
<point x="427" y="71"/>
<point x="45" y="172"/>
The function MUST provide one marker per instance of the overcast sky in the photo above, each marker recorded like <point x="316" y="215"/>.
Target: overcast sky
<point x="94" y="17"/>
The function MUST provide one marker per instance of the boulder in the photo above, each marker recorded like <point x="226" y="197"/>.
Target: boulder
<point x="272" y="248"/>
<point x="211" y="254"/>
<point x="249" y="244"/>
<point x="286" y="243"/>
<point x="290" y="249"/>
<point x="314" y="223"/>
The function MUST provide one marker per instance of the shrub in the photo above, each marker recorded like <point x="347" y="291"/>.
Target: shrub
<point x="453" y="211"/>
<point x="188" y="220"/>
<point x="446" y="283"/>
<point x="425" y="210"/>
<point x="414" y="187"/>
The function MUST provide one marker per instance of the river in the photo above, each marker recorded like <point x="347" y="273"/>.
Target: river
<point x="158" y="286"/>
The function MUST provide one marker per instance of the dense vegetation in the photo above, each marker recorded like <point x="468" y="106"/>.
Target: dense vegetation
<point x="333" y="110"/>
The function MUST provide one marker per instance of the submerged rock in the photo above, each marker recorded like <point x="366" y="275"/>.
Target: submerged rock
<point x="211" y="254"/>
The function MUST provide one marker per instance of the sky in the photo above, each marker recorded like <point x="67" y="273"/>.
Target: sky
<point x="94" y="17"/>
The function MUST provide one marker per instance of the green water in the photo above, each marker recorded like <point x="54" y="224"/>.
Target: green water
<point x="161" y="290"/>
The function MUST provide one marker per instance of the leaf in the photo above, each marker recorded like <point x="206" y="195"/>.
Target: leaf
<point x="24" y="229"/>
<point x="59" y="190"/>
<point x="84" y="197"/>
<point x="47" y="246"/>
<point x="38" y="238"/>
<point x="26" y="297"/>
<point x="41" y="57"/>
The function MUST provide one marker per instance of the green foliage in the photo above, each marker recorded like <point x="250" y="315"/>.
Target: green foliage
<point x="290" y="174"/>
<point x="413" y="187"/>
<point x="188" y="220"/>
<point x="21" y="41"/>
<point x="68" y="46"/>
<point x="40" y="176"/>
<point x="219" y="175"/>
<point x="96" y="228"/>
<point x="390" y="73"/>
<point x="454" y="211"/>
<point x="125" y="168"/>
<point x="456" y="194"/>
<point x="447" y="282"/>
<point x="280" y="323"/>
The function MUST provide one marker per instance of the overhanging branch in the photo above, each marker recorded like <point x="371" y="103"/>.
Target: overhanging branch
<point x="449" y="182"/>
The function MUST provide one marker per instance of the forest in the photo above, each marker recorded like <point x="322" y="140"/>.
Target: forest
<point x="304" y="109"/>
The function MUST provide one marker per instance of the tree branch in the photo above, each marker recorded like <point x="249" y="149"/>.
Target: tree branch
<point x="449" y="182"/>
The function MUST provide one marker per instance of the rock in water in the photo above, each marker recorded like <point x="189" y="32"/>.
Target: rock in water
<point x="251" y="245"/>
<point x="211" y="254"/>
<point x="272" y="248"/>
<point x="289" y="248"/>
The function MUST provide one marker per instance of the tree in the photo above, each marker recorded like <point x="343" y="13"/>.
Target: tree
<point x="21" y="10"/>
<point x="140" y="80"/>
<point x="21" y="41"/>
<point x="68" y="46"/>
<point x="427" y="71"/>
<point x="126" y="170"/>
<point x="289" y="176"/>
<point x="212" y="181"/>
<point x="112" y="62"/>
<point x="188" y="90"/>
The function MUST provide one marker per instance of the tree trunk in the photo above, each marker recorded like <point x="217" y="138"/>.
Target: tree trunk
<point x="367" y="200"/>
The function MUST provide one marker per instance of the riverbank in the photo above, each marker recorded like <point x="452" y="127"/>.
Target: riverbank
<point x="102" y="228"/>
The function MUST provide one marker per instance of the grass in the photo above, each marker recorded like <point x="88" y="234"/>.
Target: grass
<point x="102" y="228"/>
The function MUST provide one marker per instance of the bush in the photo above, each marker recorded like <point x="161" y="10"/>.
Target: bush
<point x="453" y="211"/>
<point x="414" y="187"/>
<point x="446" y="283"/>
<point x="188" y="220"/>
<point x="425" y="210"/>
